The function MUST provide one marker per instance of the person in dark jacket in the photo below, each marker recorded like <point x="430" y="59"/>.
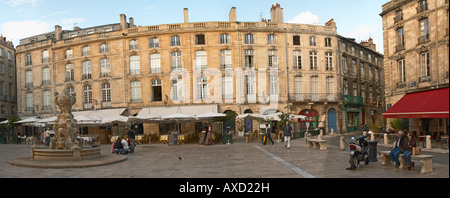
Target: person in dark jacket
<point x="408" y="143"/>
<point x="132" y="135"/>
<point x="287" y="133"/>
<point x="398" y="148"/>
<point x="118" y="147"/>
<point x="268" y="129"/>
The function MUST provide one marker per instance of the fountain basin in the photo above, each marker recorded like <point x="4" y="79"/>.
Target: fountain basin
<point x="44" y="157"/>
<point x="65" y="155"/>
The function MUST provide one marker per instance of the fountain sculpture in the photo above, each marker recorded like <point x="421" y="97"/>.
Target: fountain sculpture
<point x="65" y="125"/>
<point x="65" y="151"/>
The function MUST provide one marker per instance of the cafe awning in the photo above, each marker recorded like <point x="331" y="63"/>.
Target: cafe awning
<point x="158" y="112"/>
<point x="424" y="104"/>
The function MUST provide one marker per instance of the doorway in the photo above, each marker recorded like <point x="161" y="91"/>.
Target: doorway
<point x="332" y="124"/>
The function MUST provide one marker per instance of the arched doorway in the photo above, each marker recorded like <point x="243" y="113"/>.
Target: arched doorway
<point x="248" y="122"/>
<point x="332" y="124"/>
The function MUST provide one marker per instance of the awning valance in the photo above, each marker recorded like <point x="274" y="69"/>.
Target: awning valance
<point x="158" y="112"/>
<point x="424" y="104"/>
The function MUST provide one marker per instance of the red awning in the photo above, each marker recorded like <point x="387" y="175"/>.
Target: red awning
<point x="424" y="104"/>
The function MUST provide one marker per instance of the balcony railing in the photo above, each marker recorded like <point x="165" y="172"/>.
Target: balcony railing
<point x="87" y="106"/>
<point x="399" y="47"/>
<point x="424" y="79"/>
<point x="313" y="97"/>
<point x="401" y="84"/>
<point x="352" y="100"/>
<point x="106" y="104"/>
<point x="424" y="39"/>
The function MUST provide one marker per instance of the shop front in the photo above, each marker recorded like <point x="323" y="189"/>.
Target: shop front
<point x="427" y="112"/>
<point x="352" y="107"/>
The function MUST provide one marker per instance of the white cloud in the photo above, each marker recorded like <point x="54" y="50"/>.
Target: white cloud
<point x="306" y="18"/>
<point x="67" y="24"/>
<point x="14" y="3"/>
<point x="362" y="32"/>
<point x="17" y="30"/>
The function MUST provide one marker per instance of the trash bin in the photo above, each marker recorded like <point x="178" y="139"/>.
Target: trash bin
<point x="373" y="151"/>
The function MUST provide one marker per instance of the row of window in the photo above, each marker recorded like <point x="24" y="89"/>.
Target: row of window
<point x="201" y="93"/>
<point x="67" y="55"/>
<point x="176" y="63"/>
<point x="424" y="35"/>
<point x="176" y="41"/>
<point x="10" y="70"/>
<point x="354" y="89"/>
<point x="425" y="67"/>
<point x="5" y="94"/>
<point x="352" y="51"/>
<point x="422" y="6"/>
<point x="3" y="52"/>
<point x="372" y="72"/>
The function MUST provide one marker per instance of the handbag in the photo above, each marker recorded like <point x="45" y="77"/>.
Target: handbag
<point x="417" y="150"/>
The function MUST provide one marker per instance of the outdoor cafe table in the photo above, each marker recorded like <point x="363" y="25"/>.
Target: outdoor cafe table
<point x="445" y="138"/>
<point x="422" y="138"/>
<point x="164" y="139"/>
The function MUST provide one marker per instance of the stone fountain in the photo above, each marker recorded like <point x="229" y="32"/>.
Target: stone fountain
<point x="65" y="151"/>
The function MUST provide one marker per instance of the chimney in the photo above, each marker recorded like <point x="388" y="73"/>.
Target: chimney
<point x="58" y="31"/>
<point x="186" y="15"/>
<point x="132" y="22"/>
<point x="232" y="14"/>
<point x="331" y="23"/>
<point x="276" y="14"/>
<point x="123" y="22"/>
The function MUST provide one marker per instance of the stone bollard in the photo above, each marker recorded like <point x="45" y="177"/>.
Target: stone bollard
<point x="428" y="142"/>
<point x="386" y="139"/>
<point x="342" y="143"/>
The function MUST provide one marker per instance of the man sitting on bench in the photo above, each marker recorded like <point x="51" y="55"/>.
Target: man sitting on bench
<point x="398" y="148"/>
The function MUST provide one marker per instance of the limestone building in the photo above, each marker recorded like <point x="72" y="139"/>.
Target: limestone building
<point x="245" y="67"/>
<point x="7" y="79"/>
<point x="416" y="41"/>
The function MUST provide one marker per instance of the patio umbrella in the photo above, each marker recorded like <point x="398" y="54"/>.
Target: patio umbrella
<point x="48" y="120"/>
<point x="82" y="119"/>
<point x="210" y="115"/>
<point x="28" y="120"/>
<point x="243" y="116"/>
<point x="113" y="119"/>
<point x="178" y="116"/>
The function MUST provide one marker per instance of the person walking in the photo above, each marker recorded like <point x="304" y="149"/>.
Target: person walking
<point x="47" y="137"/>
<point x="132" y="135"/>
<point x="398" y="149"/>
<point x="268" y="137"/>
<point x="287" y="133"/>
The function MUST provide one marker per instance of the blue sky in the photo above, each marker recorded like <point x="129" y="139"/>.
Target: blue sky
<point x="19" y="19"/>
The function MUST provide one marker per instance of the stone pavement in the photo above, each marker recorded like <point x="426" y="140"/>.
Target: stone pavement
<point x="238" y="160"/>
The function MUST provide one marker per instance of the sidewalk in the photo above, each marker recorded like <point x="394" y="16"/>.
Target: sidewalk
<point x="238" y="160"/>
<point x="381" y="142"/>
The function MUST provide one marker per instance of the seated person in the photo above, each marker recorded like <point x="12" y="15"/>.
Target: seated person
<point x="126" y="148"/>
<point x="118" y="146"/>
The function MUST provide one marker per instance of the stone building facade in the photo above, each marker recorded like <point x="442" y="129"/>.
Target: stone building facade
<point x="245" y="67"/>
<point x="416" y="48"/>
<point x="7" y="79"/>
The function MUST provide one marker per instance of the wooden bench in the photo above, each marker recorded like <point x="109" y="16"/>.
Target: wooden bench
<point x="317" y="144"/>
<point x="426" y="161"/>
